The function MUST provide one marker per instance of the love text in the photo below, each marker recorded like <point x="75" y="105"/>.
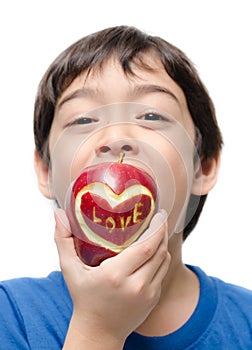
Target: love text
<point x="110" y="223"/>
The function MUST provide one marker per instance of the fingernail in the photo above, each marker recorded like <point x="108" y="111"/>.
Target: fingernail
<point x="61" y="215"/>
<point x="158" y="220"/>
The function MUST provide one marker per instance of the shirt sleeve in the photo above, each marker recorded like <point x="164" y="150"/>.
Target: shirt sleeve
<point x="12" y="328"/>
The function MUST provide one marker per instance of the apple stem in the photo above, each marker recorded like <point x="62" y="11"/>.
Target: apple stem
<point x="121" y="156"/>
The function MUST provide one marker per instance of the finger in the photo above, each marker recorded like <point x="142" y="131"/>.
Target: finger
<point x="133" y="257"/>
<point x="155" y="286"/>
<point x="161" y="271"/>
<point x="150" y="268"/>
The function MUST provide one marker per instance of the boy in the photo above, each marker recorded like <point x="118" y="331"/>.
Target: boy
<point x="145" y="297"/>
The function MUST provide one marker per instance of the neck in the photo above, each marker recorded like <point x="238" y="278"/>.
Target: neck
<point x="178" y="300"/>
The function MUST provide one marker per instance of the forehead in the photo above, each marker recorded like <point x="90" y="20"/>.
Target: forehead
<point x="121" y="84"/>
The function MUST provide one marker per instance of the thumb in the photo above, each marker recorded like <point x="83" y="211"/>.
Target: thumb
<point x="65" y="245"/>
<point x="63" y="236"/>
<point x="62" y="224"/>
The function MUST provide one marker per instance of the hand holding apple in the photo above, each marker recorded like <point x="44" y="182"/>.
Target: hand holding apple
<point x="109" y="206"/>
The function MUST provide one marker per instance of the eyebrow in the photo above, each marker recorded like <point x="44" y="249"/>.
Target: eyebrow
<point x="79" y="93"/>
<point x="144" y="89"/>
<point x="137" y="91"/>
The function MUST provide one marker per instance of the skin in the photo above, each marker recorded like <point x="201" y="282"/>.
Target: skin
<point x="147" y="287"/>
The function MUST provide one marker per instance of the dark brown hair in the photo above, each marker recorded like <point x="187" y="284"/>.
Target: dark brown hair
<point x="128" y="45"/>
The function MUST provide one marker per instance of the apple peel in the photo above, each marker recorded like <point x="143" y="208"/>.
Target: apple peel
<point x="109" y="206"/>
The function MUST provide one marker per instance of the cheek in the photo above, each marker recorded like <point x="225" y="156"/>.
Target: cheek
<point x="82" y="157"/>
<point x="182" y="194"/>
<point x="69" y="155"/>
<point x="175" y="183"/>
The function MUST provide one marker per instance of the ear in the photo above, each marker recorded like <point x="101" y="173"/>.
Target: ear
<point x="43" y="176"/>
<point x="206" y="176"/>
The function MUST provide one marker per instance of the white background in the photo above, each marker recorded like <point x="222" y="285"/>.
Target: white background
<point x="216" y="35"/>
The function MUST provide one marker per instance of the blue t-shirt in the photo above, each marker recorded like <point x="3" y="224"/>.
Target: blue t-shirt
<point x="35" y="313"/>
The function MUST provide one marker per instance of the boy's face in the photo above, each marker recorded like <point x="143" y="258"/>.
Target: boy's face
<point x="145" y="116"/>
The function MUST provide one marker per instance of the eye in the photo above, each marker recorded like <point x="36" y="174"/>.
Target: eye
<point x="152" y="116"/>
<point x="82" y="121"/>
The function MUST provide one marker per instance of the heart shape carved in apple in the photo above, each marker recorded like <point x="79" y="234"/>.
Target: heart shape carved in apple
<point x="109" y="206"/>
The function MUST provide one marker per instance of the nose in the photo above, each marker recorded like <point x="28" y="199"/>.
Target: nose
<point x="127" y="146"/>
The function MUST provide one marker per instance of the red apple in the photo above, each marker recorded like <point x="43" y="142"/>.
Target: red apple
<point x="109" y="206"/>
